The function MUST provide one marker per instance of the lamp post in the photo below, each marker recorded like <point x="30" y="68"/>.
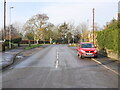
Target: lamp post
<point x="10" y="13"/>
<point x="10" y="37"/>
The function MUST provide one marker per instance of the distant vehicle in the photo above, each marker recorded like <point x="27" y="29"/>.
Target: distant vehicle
<point x="87" y="49"/>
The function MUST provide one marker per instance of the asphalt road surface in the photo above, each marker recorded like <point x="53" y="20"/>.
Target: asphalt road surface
<point x="58" y="66"/>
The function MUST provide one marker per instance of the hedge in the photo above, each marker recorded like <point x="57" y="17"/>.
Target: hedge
<point x="17" y="40"/>
<point x="109" y="37"/>
<point x="32" y="42"/>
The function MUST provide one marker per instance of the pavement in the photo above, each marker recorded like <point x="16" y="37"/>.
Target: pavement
<point x="58" y="66"/>
<point x="7" y="57"/>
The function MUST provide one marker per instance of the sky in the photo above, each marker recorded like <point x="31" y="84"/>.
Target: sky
<point x="59" y="11"/>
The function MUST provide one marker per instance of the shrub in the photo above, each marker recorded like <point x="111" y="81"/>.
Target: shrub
<point x="109" y="37"/>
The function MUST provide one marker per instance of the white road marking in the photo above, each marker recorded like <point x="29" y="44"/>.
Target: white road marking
<point x="56" y="64"/>
<point x="57" y="61"/>
<point x="106" y="67"/>
<point x="57" y="56"/>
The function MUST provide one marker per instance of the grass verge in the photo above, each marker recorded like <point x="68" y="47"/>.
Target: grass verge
<point x="73" y="45"/>
<point x="32" y="46"/>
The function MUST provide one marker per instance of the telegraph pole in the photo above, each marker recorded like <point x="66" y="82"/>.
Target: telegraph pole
<point x="5" y="18"/>
<point x="93" y="25"/>
<point x="4" y="32"/>
<point x="118" y="14"/>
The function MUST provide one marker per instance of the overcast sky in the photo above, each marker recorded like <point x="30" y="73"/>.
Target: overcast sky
<point x="59" y="11"/>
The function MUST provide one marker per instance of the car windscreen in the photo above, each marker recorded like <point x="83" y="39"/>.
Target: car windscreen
<point x="87" y="46"/>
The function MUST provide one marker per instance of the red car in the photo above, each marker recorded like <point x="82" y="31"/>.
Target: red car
<point x="87" y="49"/>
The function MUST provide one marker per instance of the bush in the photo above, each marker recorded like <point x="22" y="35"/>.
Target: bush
<point x="17" y="40"/>
<point x="109" y="37"/>
<point x="32" y="42"/>
<point x="7" y="44"/>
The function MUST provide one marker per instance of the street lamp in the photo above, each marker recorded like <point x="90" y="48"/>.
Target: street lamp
<point x="10" y="37"/>
<point x="10" y="13"/>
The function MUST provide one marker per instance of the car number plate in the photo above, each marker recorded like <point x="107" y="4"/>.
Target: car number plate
<point x="89" y="54"/>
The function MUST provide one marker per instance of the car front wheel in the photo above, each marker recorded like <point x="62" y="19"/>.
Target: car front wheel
<point x="82" y="57"/>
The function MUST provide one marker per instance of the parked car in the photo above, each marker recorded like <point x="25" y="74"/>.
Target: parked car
<point x="87" y="49"/>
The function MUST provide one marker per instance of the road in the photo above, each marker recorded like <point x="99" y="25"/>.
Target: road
<point x="58" y="66"/>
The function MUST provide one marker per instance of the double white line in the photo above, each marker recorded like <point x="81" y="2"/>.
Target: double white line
<point x="106" y="67"/>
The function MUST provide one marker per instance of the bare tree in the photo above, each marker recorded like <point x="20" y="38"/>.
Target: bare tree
<point x="14" y="33"/>
<point x="11" y="34"/>
<point x="35" y="25"/>
<point x="84" y="31"/>
<point x="19" y="27"/>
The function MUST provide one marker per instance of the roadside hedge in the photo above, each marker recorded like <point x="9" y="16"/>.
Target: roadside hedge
<point x="17" y="40"/>
<point x="109" y="37"/>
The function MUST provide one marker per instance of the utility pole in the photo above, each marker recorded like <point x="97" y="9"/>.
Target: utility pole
<point x="5" y="18"/>
<point x="4" y="32"/>
<point x="93" y="25"/>
<point x="118" y="14"/>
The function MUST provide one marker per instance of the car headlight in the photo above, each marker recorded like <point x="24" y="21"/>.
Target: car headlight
<point x="95" y="51"/>
<point x="82" y="51"/>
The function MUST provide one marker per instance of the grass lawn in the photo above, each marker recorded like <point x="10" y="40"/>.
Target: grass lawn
<point x="33" y="46"/>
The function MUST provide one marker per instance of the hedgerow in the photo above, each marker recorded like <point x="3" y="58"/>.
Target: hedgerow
<point x="109" y="38"/>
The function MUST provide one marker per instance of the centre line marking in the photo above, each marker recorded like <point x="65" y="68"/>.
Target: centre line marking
<point x="57" y="54"/>
<point x="106" y="67"/>
<point x="56" y="64"/>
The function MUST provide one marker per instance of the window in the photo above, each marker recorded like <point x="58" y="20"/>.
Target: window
<point x="87" y="46"/>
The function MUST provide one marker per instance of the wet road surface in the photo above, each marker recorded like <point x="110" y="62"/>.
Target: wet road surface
<point x="58" y="66"/>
